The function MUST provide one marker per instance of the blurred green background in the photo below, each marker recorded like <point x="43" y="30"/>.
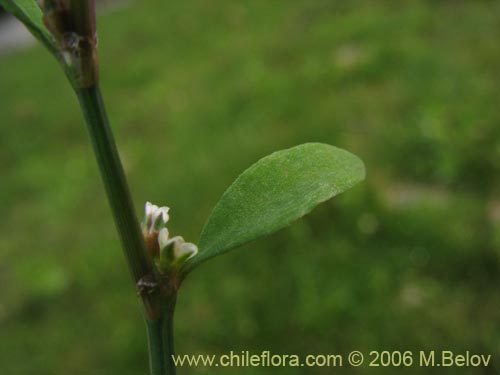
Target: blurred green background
<point x="199" y="90"/>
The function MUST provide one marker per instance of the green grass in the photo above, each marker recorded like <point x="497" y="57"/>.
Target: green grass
<point x="196" y="92"/>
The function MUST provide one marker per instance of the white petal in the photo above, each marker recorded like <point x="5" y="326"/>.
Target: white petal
<point x="186" y="249"/>
<point x="148" y="208"/>
<point x="163" y="238"/>
<point x="163" y="211"/>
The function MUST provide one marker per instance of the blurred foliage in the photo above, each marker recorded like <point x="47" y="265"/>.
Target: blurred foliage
<point x="199" y="90"/>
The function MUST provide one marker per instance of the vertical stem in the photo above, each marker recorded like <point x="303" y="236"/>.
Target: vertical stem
<point x="168" y="336"/>
<point x="156" y="346"/>
<point x="161" y="342"/>
<point x="117" y="191"/>
<point x="77" y="18"/>
<point x="83" y="23"/>
<point x="83" y="15"/>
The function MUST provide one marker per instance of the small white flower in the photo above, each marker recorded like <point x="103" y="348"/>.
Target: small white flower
<point x="155" y="217"/>
<point x="171" y="251"/>
<point x="174" y="250"/>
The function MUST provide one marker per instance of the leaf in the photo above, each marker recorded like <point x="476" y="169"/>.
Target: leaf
<point x="275" y="191"/>
<point x="30" y="14"/>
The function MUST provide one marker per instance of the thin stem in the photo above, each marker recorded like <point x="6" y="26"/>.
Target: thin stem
<point x="116" y="186"/>
<point x="83" y="23"/>
<point x="156" y="346"/>
<point x="168" y="336"/>
<point x="83" y="73"/>
<point x="161" y="342"/>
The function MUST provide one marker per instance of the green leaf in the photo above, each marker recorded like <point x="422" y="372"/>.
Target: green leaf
<point x="29" y="13"/>
<point x="275" y="191"/>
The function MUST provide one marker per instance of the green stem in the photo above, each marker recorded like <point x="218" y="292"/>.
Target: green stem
<point x="156" y="346"/>
<point x="168" y="336"/>
<point x="161" y="342"/>
<point x="115" y="182"/>
<point x="83" y="72"/>
<point x="159" y="320"/>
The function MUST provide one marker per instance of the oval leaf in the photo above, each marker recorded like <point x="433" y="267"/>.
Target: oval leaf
<point x="275" y="191"/>
<point x="29" y="13"/>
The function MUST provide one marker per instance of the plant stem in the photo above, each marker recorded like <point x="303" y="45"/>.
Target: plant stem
<point x="78" y="17"/>
<point x="168" y="336"/>
<point x="161" y="342"/>
<point x="117" y="191"/>
<point x="156" y="346"/>
<point x="159" y="314"/>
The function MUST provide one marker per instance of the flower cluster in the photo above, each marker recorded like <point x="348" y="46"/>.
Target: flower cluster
<point x="167" y="252"/>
